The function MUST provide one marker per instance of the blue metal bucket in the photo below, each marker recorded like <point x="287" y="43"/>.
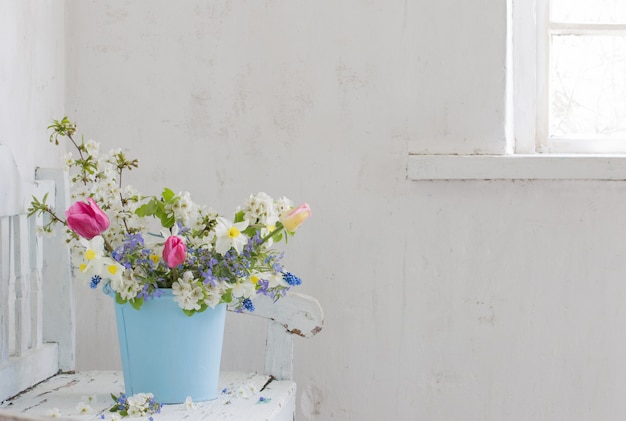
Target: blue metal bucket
<point x="170" y="354"/>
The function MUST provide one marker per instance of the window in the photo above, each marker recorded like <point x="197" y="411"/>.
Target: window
<point x="581" y="77"/>
<point x="565" y="98"/>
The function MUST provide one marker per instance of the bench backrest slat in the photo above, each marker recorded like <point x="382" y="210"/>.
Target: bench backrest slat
<point x="24" y="360"/>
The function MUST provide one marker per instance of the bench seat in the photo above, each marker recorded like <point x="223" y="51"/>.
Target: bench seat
<point x="241" y="396"/>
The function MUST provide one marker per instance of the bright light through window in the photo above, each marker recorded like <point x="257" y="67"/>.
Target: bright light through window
<point x="588" y="86"/>
<point x="589" y="11"/>
<point x="587" y="75"/>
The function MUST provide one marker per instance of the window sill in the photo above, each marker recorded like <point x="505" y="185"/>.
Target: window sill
<point x="516" y="167"/>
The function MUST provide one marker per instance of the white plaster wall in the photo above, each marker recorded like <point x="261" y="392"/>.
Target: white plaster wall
<point x="32" y="79"/>
<point x="444" y="300"/>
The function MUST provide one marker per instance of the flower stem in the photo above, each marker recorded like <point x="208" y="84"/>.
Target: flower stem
<point x="271" y="234"/>
<point x="80" y="151"/>
<point x="54" y="216"/>
<point x="174" y="277"/>
<point x="107" y="245"/>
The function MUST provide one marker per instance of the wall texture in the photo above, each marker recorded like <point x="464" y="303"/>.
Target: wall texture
<point x="32" y="79"/>
<point x="444" y="300"/>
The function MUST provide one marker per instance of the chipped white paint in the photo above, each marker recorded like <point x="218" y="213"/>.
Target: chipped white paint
<point x="30" y="361"/>
<point x="24" y="358"/>
<point x="293" y="315"/>
<point x="59" y="310"/>
<point x="244" y="396"/>
<point x="453" y="300"/>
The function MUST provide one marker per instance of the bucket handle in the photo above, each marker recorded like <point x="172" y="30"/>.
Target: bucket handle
<point x="106" y="289"/>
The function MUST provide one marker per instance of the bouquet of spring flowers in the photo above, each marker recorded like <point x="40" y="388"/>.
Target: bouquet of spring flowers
<point x="140" y="244"/>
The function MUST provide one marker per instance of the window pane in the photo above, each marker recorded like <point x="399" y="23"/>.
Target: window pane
<point x="588" y="86"/>
<point x="588" y="11"/>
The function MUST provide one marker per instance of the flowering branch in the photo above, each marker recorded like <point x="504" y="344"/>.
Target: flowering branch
<point x="122" y="163"/>
<point x="204" y="258"/>
<point x="63" y="127"/>
<point x="42" y="208"/>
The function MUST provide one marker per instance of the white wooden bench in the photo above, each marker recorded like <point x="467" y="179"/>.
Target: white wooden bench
<point x="37" y="328"/>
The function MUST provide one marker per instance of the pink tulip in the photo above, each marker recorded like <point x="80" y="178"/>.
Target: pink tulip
<point x="87" y="219"/>
<point x="292" y="219"/>
<point x="174" y="251"/>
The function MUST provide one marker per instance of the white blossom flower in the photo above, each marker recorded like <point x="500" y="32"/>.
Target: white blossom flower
<point x="139" y="404"/>
<point x="244" y="288"/>
<point x="213" y="295"/>
<point x="126" y="286"/>
<point x="42" y="232"/>
<point x="230" y="235"/>
<point x="89" y="398"/>
<point x="183" y="208"/>
<point x="94" y="249"/>
<point x="282" y="205"/>
<point x="84" y="408"/>
<point x="112" y="269"/>
<point x="258" y="208"/>
<point x="275" y="280"/>
<point x="96" y="266"/>
<point x="54" y="413"/>
<point x="187" y="292"/>
<point x="92" y="147"/>
<point x="68" y="161"/>
<point x="135" y="412"/>
<point x="94" y="263"/>
<point x="245" y="390"/>
<point x="189" y="404"/>
<point x="261" y="210"/>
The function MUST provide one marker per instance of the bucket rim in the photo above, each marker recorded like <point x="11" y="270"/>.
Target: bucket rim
<point x="107" y="290"/>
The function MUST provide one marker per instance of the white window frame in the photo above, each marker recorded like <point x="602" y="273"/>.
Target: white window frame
<point x="524" y="157"/>
<point x="563" y="145"/>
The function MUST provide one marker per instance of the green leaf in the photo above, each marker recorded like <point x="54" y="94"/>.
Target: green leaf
<point x="168" y="194"/>
<point x="136" y="303"/>
<point x="153" y="206"/>
<point x="168" y="221"/>
<point x="227" y="297"/>
<point x="119" y="299"/>
<point x="239" y="216"/>
<point x="34" y="207"/>
<point x="149" y="209"/>
<point x="141" y="211"/>
<point x="250" y="231"/>
<point x="189" y="313"/>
